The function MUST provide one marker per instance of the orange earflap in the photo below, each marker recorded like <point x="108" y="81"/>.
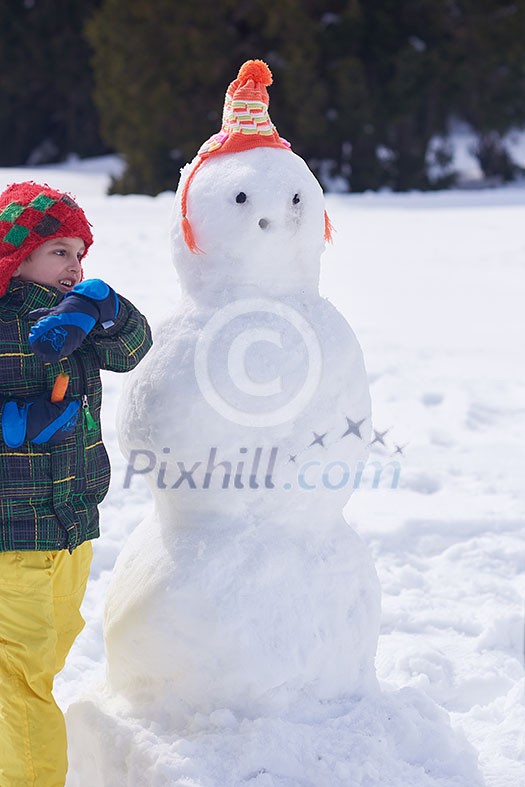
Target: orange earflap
<point x="328" y="229"/>
<point x="187" y="231"/>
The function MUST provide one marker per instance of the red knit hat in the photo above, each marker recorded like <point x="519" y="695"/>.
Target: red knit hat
<point x="30" y="215"/>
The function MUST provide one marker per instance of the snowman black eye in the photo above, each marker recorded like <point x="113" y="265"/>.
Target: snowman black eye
<point x="296" y="199"/>
<point x="241" y="197"/>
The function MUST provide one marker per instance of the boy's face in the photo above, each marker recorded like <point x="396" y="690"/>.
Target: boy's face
<point x="56" y="263"/>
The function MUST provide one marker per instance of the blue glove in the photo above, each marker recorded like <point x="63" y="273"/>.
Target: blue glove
<point x="39" y="420"/>
<point x="59" y="331"/>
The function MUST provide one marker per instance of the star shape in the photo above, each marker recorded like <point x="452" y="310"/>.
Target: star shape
<point x="318" y="439"/>
<point x="379" y="437"/>
<point x="399" y="449"/>
<point x="354" y="427"/>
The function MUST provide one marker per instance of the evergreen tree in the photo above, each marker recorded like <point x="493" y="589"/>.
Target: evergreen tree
<point x="353" y="135"/>
<point x="403" y="69"/>
<point x="489" y="57"/>
<point x="389" y="64"/>
<point x="45" y="82"/>
<point x="160" y="70"/>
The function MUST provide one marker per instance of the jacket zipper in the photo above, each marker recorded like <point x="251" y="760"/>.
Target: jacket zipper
<point x="88" y="418"/>
<point x="86" y="412"/>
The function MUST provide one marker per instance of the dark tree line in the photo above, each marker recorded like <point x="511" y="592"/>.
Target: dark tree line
<point x="364" y="89"/>
<point x="46" y="82"/>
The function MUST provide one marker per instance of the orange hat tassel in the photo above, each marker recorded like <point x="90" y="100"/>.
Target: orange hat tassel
<point x="189" y="238"/>
<point x="328" y="229"/>
<point x="187" y="230"/>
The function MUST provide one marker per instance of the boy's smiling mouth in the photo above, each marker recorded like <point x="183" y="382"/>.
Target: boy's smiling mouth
<point x="67" y="283"/>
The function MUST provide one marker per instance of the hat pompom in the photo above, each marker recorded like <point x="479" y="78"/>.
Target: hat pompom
<point x="256" y="70"/>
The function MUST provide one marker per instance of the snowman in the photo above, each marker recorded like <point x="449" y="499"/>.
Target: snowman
<point x="245" y="588"/>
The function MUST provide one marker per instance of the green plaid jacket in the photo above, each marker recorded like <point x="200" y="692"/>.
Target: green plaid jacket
<point x="49" y="494"/>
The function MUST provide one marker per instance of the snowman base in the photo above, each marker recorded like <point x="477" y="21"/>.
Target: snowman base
<point x="262" y="620"/>
<point x="399" y="739"/>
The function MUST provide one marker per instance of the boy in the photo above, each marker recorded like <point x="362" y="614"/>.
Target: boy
<point x="54" y="470"/>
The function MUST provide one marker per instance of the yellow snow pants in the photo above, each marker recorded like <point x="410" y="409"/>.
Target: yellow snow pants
<point x="40" y="598"/>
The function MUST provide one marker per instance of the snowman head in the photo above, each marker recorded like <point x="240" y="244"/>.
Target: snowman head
<point x="249" y="214"/>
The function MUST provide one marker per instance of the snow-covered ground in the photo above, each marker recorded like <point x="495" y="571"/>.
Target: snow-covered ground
<point x="434" y="286"/>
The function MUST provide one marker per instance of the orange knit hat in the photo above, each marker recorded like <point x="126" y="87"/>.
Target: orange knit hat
<point x="246" y="124"/>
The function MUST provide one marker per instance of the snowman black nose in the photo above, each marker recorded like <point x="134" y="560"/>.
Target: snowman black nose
<point x="263" y="223"/>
